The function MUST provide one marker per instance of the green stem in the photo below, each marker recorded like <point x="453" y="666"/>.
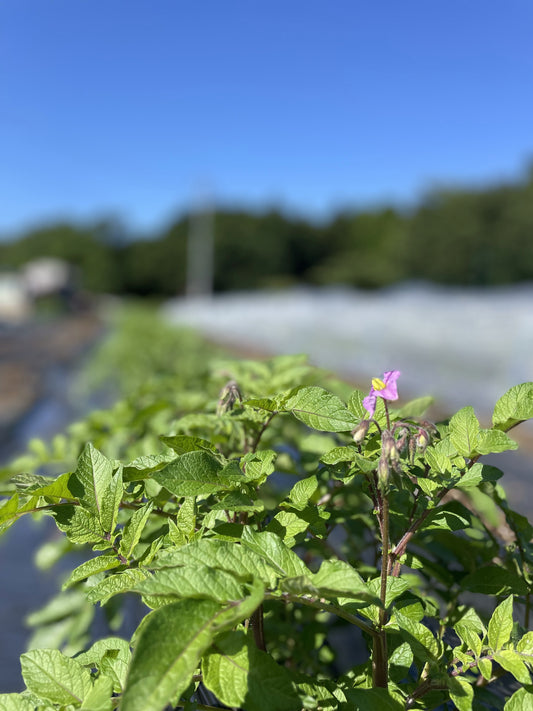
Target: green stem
<point x="324" y="607"/>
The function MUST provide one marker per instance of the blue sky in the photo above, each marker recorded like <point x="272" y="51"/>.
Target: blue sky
<point x="133" y="108"/>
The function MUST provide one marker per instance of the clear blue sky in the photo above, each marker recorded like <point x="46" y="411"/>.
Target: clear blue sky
<point x="131" y="108"/>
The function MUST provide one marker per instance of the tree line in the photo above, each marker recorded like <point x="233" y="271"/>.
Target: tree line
<point x="463" y="237"/>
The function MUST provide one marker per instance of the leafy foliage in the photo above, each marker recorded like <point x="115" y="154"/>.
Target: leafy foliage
<point x="259" y="517"/>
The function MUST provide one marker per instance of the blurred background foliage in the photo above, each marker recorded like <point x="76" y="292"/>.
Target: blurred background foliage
<point x="468" y="237"/>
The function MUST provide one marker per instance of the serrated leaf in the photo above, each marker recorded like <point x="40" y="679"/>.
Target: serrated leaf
<point x="270" y="547"/>
<point x="115" y="584"/>
<point x="133" y="529"/>
<point x="239" y="674"/>
<point x="511" y="661"/>
<point x="53" y="676"/>
<point x="194" y="474"/>
<point x="513" y="407"/>
<point x="321" y="410"/>
<point x="91" y="480"/>
<point x="438" y="461"/>
<point x="200" y="583"/>
<point x="221" y="555"/>
<point x="501" y="624"/>
<point x="91" y="567"/>
<point x="464" y="430"/>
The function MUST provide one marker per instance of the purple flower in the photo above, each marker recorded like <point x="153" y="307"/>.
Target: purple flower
<point x="386" y="388"/>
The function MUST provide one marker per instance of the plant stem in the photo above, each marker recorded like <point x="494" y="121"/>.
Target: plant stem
<point x="324" y="607"/>
<point x="380" y="657"/>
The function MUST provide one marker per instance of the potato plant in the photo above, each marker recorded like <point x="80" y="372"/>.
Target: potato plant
<point x="271" y="520"/>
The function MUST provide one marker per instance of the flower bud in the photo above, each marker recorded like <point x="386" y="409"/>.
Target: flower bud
<point x="229" y="395"/>
<point x="388" y="445"/>
<point x="422" y="439"/>
<point x="383" y="472"/>
<point x="359" y="432"/>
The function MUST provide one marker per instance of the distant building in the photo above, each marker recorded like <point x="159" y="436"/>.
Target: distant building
<point x="15" y="303"/>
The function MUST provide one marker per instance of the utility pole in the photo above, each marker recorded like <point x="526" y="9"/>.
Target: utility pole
<point x="200" y="251"/>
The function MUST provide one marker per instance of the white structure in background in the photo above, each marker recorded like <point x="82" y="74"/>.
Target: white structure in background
<point x="15" y="303"/>
<point x="39" y="278"/>
<point x="46" y="276"/>
<point x="465" y="346"/>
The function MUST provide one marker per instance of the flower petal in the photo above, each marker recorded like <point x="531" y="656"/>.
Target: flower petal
<point x="369" y="403"/>
<point x="390" y="391"/>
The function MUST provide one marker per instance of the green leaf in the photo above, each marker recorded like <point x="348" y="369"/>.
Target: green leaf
<point x="133" y="529"/>
<point x="303" y="490"/>
<point x="170" y="645"/>
<point x="111" y="655"/>
<point x="513" y="407"/>
<point x="270" y="547"/>
<point x="192" y="582"/>
<point x="321" y="410"/>
<point x="142" y="467"/>
<point x="194" y="474"/>
<point x="348" y="454"/>
<point x="414" y="408"/>
<point x="501" y="624"/>
<point x="91" y="482"/>
<point x="372" y="700"/>
<point x="15" y="702"/>
<point x="462" y="694"/>
<point x="232" y="557"/>
<point x="187" y="443"/>
<point x="287" y="525"/>
<point x="99" y="697"/>
<point x="111" y="502"/>
<point x="80" y="526"/>
<point x="336" y="577"/>
<point x="91" y="567"/>
<point x="525" y="645"/>
<point x="511" y="661"/>
<point x="257" y="466"/>
<point x="53" y="676"/>
<point x="485" y="668"/>
<point x="464" y="430"/>
<point x="494" y="580"/>
<point x="450" y="517"/>
<point x="421" y="639"/>
<point x="521" y="700"/>
<point x="114" y="584"/>
<point x="469" y="636"/>
<point x="239" y="674"/>
<point x="494" y="441"/>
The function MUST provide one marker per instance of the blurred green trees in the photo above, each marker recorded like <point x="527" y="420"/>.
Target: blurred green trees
<point x="468" y="237"/>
